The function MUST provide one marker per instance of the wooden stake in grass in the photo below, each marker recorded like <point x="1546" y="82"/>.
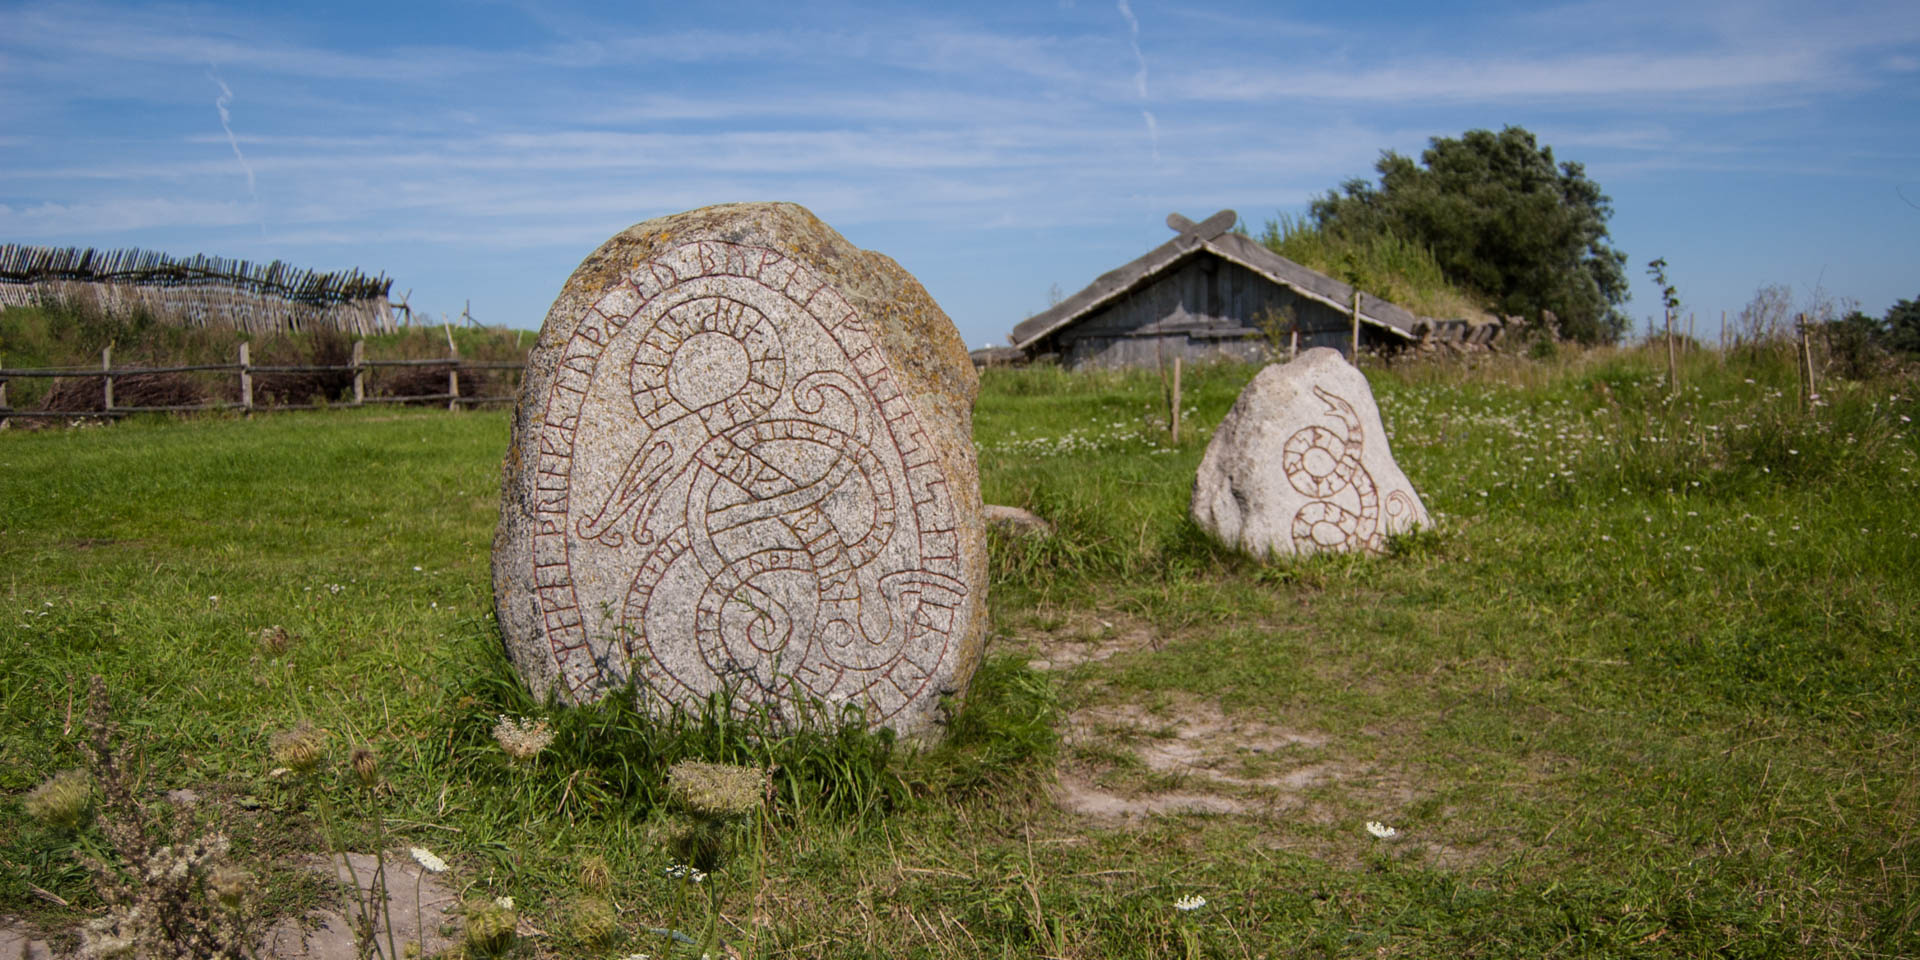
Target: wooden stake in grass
<point x="106" y="367"/>
<point x="453" y="372"/>
<point x="246" y="379"/>
<point x="1354" y="308"/>
<point x="1803" y="365"/>
<point x="359" y="372"/>
<point x="1175" y="418"/>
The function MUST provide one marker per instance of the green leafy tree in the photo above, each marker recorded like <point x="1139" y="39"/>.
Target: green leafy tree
<point x="1903" y="326"/>
<point x="1504" y="220"/>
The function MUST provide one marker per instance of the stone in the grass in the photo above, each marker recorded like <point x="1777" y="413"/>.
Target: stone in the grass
<point x="743" y="462"/>
<point x="1300" y="465"/>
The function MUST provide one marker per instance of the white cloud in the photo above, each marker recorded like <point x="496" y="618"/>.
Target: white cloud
<point x="1593" y="77"/>
<point x="94" y="217"/>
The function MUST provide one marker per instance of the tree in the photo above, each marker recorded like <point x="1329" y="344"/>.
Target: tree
<point x="1903" y="326"/>
<point x="1504" y="220"/>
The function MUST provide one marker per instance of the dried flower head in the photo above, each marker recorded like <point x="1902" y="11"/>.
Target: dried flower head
<point x="716" y="789"/>
<point x="595" y="876"/>
<point x="522" y="739"/>
<point x="366" y="766"/>
<point x="62" y="801"/>
<point x="301" y="748"/>
<point x="593" y="920"/>
<point x="275" y="639"/>
<point x="490" y="926"/>
<point x="229" y="885"/>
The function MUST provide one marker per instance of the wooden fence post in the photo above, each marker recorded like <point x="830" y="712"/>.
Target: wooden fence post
<point x="1355" y="356"/>
<point x="106" y="364"/>
<point x="359" y="372"/>
<point x="453" y="375"/>
<point x="1673" y="369"/>
<point x="246" y="378"/>
<point x="1175" y="419"/>
<point x="1806" y="354"/>
<point x="3" y="395"/>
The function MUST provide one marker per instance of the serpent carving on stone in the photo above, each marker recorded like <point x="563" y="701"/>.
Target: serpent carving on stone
<point x="1323" y="464"/>
<point x="781" y="516"/>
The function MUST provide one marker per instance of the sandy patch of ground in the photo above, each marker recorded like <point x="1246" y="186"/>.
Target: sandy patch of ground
<point x="414" y="911"/>
<point x="417" y="912"/>
<point x="1201" y="760"/>
<point x="1085" y="637"/>
<point x="1312" y="793"/>
<point x="17" y="943"/>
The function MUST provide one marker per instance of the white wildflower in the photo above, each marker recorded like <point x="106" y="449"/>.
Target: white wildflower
<point x="427" y="861"/>
<point x="1381" y="830"/>
<point x="1189" y="904"/>
<point x="504" y="903"/>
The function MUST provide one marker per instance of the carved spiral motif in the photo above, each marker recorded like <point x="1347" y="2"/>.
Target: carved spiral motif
<point x="1322" y="464"/>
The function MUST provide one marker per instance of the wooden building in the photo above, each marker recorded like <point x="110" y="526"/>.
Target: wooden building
<point x="1208" y="294"/>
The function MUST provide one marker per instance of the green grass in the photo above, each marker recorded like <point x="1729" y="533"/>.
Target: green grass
<point x="1647" y="691"/>
<point x="1396" y="270"/>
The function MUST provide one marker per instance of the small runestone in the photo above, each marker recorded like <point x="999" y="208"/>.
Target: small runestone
<point x="1300" y="465"/>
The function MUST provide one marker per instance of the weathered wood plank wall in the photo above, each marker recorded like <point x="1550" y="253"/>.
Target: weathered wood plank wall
<point x="1207" y="309"/>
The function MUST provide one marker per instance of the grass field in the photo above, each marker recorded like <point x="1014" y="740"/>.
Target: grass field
<point x="1648" y="690"/>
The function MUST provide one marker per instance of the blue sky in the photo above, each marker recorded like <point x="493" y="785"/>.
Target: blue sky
<point x="480" y="150"/>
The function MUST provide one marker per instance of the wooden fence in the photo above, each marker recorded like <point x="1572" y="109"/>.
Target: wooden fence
<point x="360" y="366"/>
<point x="196" y="291"/>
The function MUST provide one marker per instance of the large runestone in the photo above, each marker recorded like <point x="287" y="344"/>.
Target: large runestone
<point x="742" y="462"/>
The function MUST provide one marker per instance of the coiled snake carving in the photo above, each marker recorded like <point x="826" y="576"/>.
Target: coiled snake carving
<point x="1322" y="464"/>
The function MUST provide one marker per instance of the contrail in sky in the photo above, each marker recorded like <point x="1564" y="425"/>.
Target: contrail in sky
<point x="1140" y="78"/>
<point x="226" y="123"/>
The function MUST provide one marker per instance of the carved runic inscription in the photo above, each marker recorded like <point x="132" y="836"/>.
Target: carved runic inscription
<point x="1325" y="465"/>
<point x="723" y="434"/>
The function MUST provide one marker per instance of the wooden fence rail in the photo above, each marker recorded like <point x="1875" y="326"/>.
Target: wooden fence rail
<point x="106" y="373"/>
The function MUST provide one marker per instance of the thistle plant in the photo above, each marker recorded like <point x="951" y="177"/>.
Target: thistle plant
<point x="718" y="799"/>
<point x="183" y="900"/>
